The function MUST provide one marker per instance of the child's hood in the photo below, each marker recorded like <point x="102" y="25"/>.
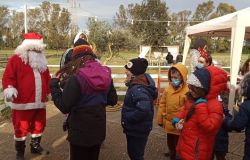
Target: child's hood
<point x="182" y="69"/>
<point x="218" y="82"/>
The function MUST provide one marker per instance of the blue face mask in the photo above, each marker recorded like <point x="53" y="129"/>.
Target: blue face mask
<point x="200" y="65"/>
<point x="176" y="82"/>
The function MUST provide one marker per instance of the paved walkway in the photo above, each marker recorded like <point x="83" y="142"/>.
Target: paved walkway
<point x="114" y="147"/>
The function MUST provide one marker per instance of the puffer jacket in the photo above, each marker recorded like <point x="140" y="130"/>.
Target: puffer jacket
<point x="84" y="97"/>
<point x="242" y="120"/>
<point x="172" y="101"/>
<point x="138" y="108"/>
<point x="197" y="136"/>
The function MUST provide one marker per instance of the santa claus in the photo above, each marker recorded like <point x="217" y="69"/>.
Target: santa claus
<point x="26" y="86"/>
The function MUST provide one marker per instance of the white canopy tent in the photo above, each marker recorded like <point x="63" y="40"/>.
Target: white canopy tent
<point x="235" y="25"/>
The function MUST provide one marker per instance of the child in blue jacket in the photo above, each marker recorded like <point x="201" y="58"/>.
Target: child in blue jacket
<point x="242" y="119"/>
<point x="138" y="108"/>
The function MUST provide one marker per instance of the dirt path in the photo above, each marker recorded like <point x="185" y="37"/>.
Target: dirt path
<point x="114" y="147"/>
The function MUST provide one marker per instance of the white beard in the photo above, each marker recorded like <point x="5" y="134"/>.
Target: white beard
<point x="37" y="61"/>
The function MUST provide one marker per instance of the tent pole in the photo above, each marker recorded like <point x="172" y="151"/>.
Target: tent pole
<point x="186" y="48"/>
<point x="237" y="35"/>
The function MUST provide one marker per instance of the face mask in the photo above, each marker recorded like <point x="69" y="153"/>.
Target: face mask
<point x="200" y="65"/>
<point x="176" y="82"/>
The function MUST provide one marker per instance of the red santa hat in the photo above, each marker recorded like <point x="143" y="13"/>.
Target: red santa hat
<point x="32" y="41"/>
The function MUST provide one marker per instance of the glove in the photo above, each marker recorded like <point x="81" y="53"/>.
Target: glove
<point x="175" y="121"/>
<point x="179" y="125"/>
<point x="10" y="93"/>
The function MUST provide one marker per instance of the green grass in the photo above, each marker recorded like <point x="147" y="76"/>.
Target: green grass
<point x="122" y="58"/>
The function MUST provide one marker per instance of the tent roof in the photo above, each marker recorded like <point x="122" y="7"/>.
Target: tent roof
<point x="221" y="26"/>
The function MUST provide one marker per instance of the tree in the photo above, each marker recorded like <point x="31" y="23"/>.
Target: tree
<point x="120" y="39"/>
<point x="16" y="29"/>
<point x="177" y="27"/>
<point x="121" y="18"/>
<point x="224" y="9"/>
<point x="53" y="22"/>
<point x="4" y="15"/>
<point x="98" y="34"/>
<point x="222" y="44"/>
<point x="150" y="21"/>
<point x="34" y="20"/>
<point x="45" y="14"/>
<point x="203" y="12"/>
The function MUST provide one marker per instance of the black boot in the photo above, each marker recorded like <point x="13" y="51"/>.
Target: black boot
<point x="36" y="148"/>
<point x="20" y="148"/>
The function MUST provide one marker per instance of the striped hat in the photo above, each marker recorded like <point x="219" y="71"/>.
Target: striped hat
<point x="82" y="48"/>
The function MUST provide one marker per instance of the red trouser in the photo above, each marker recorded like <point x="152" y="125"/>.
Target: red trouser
<point x="28" y="121"/>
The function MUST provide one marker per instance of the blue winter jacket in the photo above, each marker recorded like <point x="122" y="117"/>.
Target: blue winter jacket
<point x="138" y="108"/>
<point x="242" y="121"/>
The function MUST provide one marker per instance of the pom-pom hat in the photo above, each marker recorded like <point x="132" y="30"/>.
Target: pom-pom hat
<point x="137" y="66"/>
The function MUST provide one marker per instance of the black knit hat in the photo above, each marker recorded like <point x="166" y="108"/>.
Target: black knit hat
<point x="200" y="78"/>
<point x="82" y="48"/>
<point x="81" y="41"/>
<point x="137" y="66"/>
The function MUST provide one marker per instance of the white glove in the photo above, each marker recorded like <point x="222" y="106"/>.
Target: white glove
<point x="179" y="125"/>
<point x="10" y="93"/>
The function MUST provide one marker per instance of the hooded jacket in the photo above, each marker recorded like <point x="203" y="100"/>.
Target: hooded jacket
<point x="138" y="108"/>
<point x="198" y="133"/>
<point x="84" y="97"/>
<point x="172" y="101"/>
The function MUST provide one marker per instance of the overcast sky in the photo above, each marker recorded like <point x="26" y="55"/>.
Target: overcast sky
<point x="106" y="9"/>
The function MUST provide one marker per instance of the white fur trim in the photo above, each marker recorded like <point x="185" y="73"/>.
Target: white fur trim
<point x="37" y="46"/>
<point x="38" y="86"/>
<point x="26" y="106"/>
<point x="19" y="139"/>
<point x="36" y="135"/>
<point x="33" y="42"/>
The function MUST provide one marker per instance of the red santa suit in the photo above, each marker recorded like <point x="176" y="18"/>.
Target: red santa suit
<point x="26" y="84"/>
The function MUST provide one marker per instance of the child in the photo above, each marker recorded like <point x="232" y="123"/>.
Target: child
<point x="242" y="119"/>
<point x="202" y="115"/>
<point x="172" y="100"/>
<point x="138" y="108"/>
<point x="86" y="92"/>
